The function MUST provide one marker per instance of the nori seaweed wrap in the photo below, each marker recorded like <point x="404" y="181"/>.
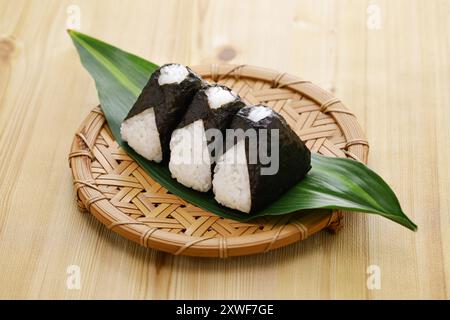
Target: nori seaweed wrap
<point x="192" y="161"/>
<point x="243" y="178"/>
<point x="159" y="108"/>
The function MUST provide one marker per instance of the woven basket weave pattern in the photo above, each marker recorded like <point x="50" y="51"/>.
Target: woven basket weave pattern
<point x="121" y="195"/>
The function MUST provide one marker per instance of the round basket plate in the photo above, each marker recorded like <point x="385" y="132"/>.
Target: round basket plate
<point x="112" y="187"/>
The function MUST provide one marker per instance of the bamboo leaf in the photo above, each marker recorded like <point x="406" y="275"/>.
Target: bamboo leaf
<point x="333" y="183"/>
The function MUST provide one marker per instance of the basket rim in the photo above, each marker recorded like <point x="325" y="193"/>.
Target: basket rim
<point x="80" y="160"/>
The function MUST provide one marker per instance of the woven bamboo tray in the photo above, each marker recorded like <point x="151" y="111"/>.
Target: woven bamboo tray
<point x="112" y="187"/>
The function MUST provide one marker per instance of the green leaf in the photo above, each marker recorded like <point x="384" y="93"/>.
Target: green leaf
<point x="333" y="183"/>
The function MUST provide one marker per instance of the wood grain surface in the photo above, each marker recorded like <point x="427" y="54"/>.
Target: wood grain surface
<point x="387" y="60"/>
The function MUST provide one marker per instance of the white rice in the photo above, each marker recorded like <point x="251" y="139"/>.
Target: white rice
<point x="258" y="113"/>
<point x="218" y="96"/>
<point x="142" y="135"/>
<point x="190" y="162"/>
<point x="231" y="183"/>
<point x="173" y="73"/>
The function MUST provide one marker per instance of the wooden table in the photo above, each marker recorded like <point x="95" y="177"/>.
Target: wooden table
<point x="389" y="61"/>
